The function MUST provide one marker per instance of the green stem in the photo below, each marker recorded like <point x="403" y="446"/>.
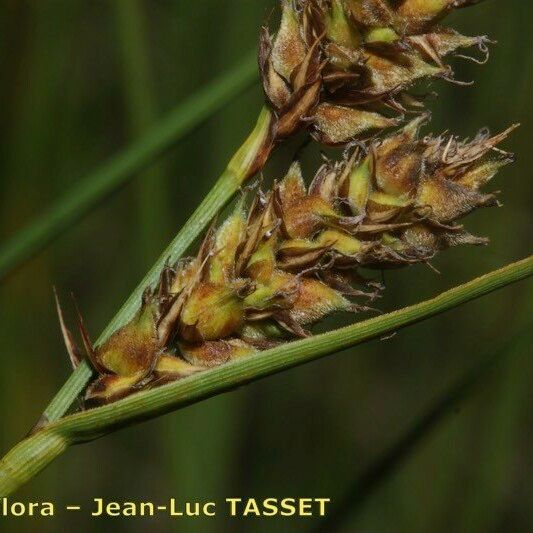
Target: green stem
<point x="238" y="170"/>
<point x="34" y="453"/>
<point x="28" y="458"/>
<point x="107" y="179"/>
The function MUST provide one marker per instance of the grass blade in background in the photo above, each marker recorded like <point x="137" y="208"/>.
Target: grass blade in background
<point x="382" y="469"/>
<point x="504" y="413"/>
<point x="141" y="106"/>
<point x="108" y="178"/>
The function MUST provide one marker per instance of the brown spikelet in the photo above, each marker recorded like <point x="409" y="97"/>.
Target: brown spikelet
<point x="342" y="67"/>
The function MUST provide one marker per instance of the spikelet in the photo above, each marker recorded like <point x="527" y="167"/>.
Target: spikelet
<point x="344" y="68"/>
<point x="272" y="270"/>
<point x="399" y="203"/>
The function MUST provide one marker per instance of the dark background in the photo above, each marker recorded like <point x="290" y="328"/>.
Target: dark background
<point x="68" y="104"/>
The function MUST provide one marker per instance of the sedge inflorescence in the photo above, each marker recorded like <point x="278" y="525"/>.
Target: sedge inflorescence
<point x="294" y="256"/>
<point x="288" y="257"/>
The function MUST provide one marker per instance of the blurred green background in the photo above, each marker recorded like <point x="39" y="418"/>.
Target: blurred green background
<point x="81" y="80"/>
